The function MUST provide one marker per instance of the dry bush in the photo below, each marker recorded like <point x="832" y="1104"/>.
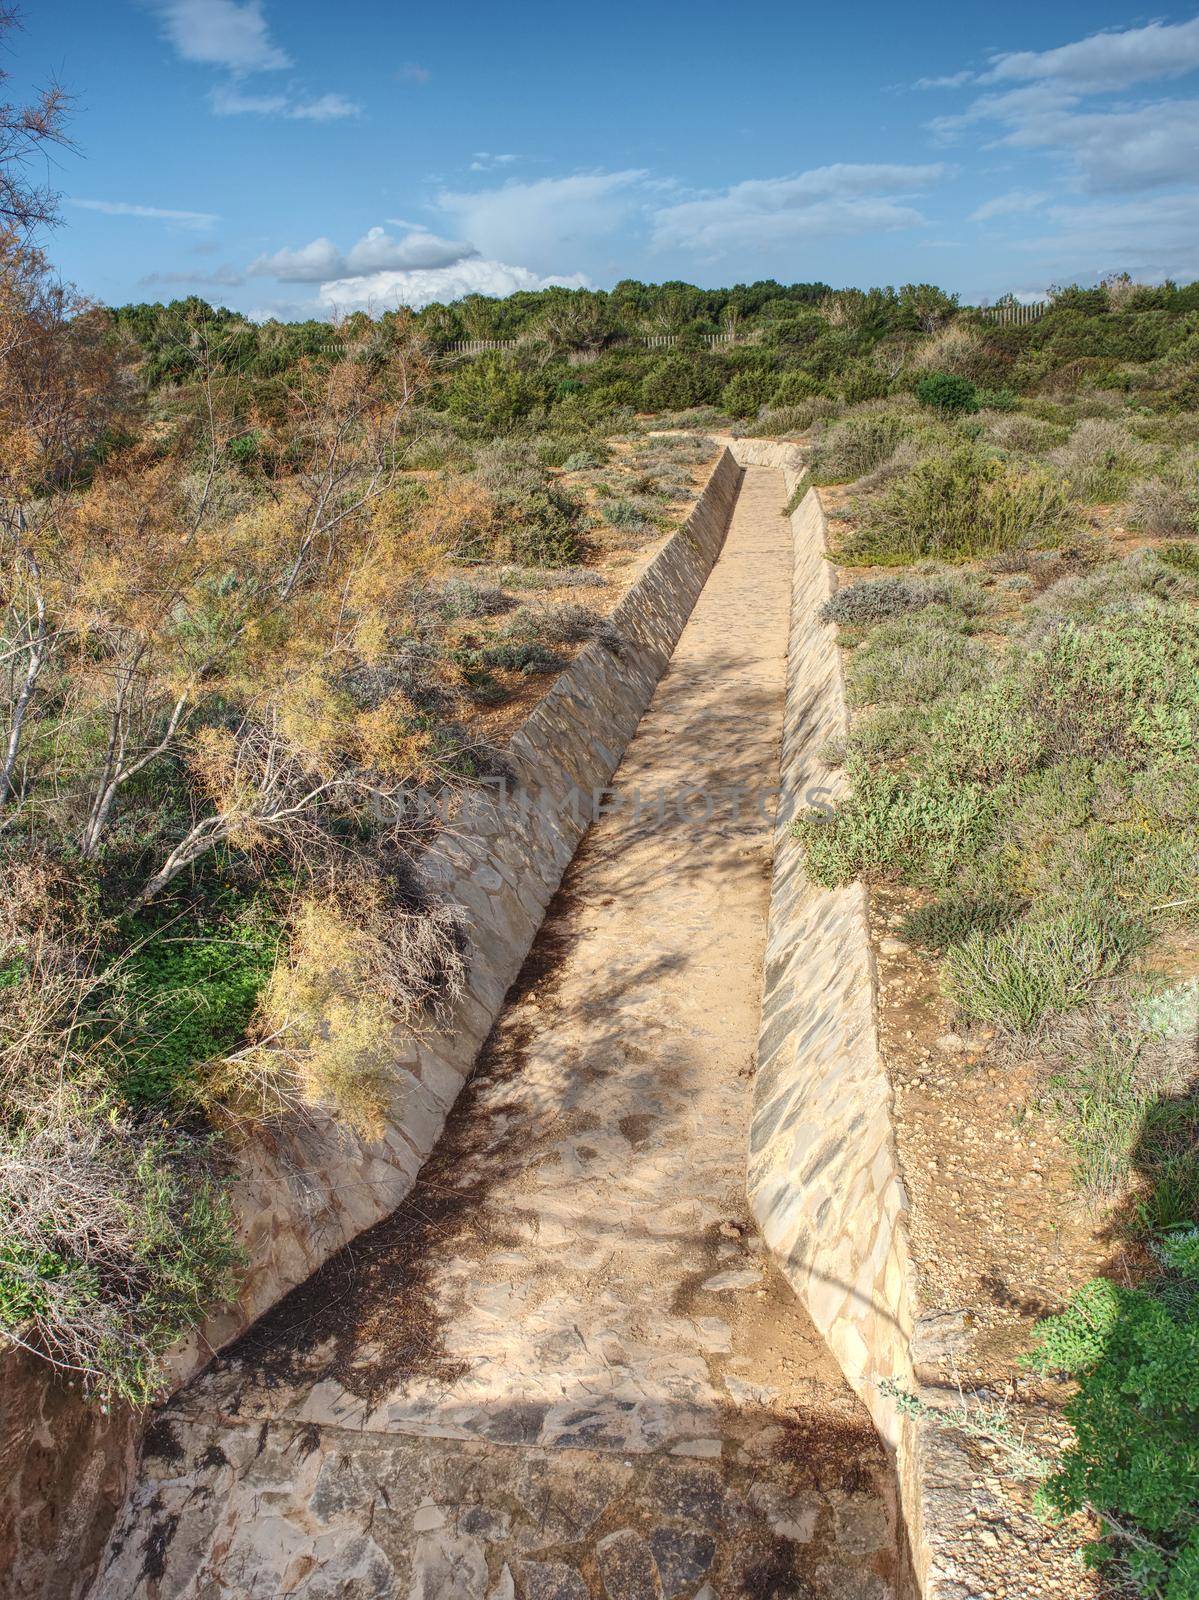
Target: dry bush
<point x="113" y="1240"/>
<point x="1099" y="457"/>
<point x="1168" y="506"/>
<point x="360" y="965"/>
<point x="957" y="349"/>
<point x="1015" y="431"/>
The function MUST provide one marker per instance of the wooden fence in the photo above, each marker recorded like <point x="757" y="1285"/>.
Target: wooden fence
<point x="1015" y="316"/>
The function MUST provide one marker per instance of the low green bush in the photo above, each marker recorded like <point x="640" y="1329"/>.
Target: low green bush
<point x="1035" y="968"/>
<point x="1134" y="1458"/>
<point x="1165" y="509"/>
<point x="748" y="392"/>
<point x="1099" y="458"/>
<point x="895" y="825"/>
<point x="956" y="504"/>
<point x="947" y="392"/>
<point x="874" y="601"/>
<point x="539" y="522"/>
<point x="913" y="662"/>
<point x="857" y="444"/>
<point x="952" y="918"/>
<point x="491" y="394"/>
<point x="630" y="513"/>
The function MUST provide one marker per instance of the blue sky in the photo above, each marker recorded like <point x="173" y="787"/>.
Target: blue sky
<point x="293" y="158"/>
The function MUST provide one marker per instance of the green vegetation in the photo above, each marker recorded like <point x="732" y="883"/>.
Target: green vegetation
<point x="947" y="392"/>
<point x="1135" y="1455"/>
<point x="1026" y="721"/>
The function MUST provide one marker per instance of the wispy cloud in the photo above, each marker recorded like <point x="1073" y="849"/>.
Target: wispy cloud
<point x="1153" y="237"/>
<point x="844" y="198"/>
<point x="1101" y="62"/>
<point x="228" y="100"/>
<point x="221" y="33"/>
<point x="413" y="72"/>
<point x="949" y="80"/>
<point x="1015" y="203"/>
<point x="1051" y="100"/>
<point x="485" y="160"/>
<point x="218" y="278"/>
<point x="126" y="208"/>
<point x="234" y="34"/>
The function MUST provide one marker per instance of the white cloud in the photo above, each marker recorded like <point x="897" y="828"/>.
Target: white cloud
<point x="222" y="33"/>
<point x="484" y="161"/>
<point x="1014" y="203"/>
<point x="1128" y="147"/>
<point x="1062" y="101"/>
<point x="1153" y="237"/>
<point x="327" y="108"/>
<point x="1107" y="61"/>
<point x="234" y="34"/>
<point x="839" y="199"/>
<point x="124" y="208"/>
<point x="378" y="291"/>
<point x="413" y="72"/>
<point x="376" y="251"/>
<point x="949" y="80"/>
<point x="309" y="264"/>
<point x="539" y="221"/>
<point x="228" y="100"/>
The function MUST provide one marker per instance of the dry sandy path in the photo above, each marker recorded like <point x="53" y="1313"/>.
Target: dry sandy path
<point x="564" y="1368"/>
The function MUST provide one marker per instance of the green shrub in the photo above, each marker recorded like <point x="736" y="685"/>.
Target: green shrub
<point x="1099" y="457"/>
<point x="1118" y="1079"/>
<point x="875" y="601"/>
<point x="913" y="662"/>
<point x="580" y="460"/>
<point x="630" y="514"/>
<point x="860" y="381"/>
<point x="952" y="918"/>
<point x="491" y="394"/>
<point x="1134" y="1457"/>
<point x="679" y="382"/>
<point x="538" y="520"/>
<point x="747" y="393"/>
<point x="857" y="444"/>
<point x="1035" y="968"/>
<point x="960" y="503"/>
<point x="1183" y="558"/>
<point x="793" y="388"/>
<point x="1166" y="510"/>
<point x="467" y="598"/>
<point x="895" y="826"/>
<point x="947" y="392"/>
<point x="516" y="655"/>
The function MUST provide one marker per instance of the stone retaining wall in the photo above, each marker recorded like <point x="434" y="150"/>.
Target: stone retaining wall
<point x="824" y="1178"/>
<point x="303" y="1192"/>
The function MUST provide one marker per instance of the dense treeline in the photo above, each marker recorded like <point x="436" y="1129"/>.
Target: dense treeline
<point x="583" y="353"/>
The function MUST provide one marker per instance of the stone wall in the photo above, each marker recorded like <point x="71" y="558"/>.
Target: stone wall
<point x="824" y="1178"/>
<point x="304" y="1191"/>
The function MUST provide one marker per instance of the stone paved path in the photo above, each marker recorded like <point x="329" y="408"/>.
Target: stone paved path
<point x="564" y="1368"/>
